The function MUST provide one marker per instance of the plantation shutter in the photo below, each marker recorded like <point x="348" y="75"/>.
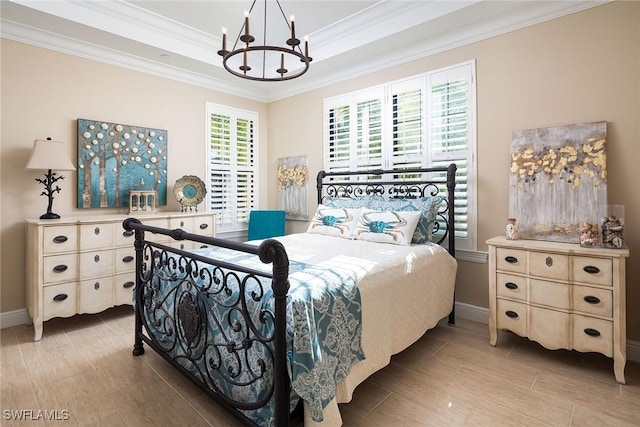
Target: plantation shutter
<point x="407" y="124"/>
<point x="423" y="121"/>
<point x="232" y="166"/>
<point x="450" y="122"/>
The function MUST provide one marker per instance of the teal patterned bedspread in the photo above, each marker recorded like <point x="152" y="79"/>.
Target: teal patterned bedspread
<point x="323" y="330"/>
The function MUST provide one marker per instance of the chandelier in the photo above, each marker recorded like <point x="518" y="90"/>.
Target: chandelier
<point x="261" y="61"/>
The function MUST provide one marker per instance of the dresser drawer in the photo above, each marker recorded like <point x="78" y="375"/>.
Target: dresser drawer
<point x="96" y="236"/>
<point x="60" y="268"/>
<point x="511" y="260"/>
<point x="123" y="237"/>
<point x="59" y="300"/>
<point x="591" y="334"/>
<point x="203" y="225"/>
<point x="549" y="265"/>
<point x="59" y="239"/>
<point x="512" y="316"/>
<point x="549" y="327"/>
<point x="125" y="259"/>
<point x="124" y="286"/>
<point x="593" y="300"/>
<point x="510" y="286"/>
<point x="550" y="294"/>
<point x="95" y="295"/>
<point x="96" y="263"/>
<point x="597" y="271"/>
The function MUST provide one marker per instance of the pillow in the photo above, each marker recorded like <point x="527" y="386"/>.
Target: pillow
<point x="351" y="202"/>
<point x="395" y="227"/>
<point x="337" y="222"/>
<point x="428" y="206"/>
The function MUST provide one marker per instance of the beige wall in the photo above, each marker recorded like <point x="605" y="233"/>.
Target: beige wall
<point x="580" y="68"/>
<point x="45" y="92"/>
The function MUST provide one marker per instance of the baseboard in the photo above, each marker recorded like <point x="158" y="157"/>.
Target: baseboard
<point x="463" y="311"/>
<point x="481" y="315"/>
<point x="14" y="318"/>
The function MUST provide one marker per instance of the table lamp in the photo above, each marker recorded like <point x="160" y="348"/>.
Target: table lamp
<point x="49" y="155"/>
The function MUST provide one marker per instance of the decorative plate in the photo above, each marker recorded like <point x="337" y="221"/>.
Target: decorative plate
<point x="189" y="190"/>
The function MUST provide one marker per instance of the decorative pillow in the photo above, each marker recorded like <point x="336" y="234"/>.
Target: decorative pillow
<point x="395" y="227"/>
<point x="337" y="222"/>
<point x="428" y="206"/>
<point x="351" y="202"/>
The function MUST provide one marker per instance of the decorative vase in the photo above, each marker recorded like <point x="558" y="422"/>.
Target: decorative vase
<point x="613" y="227"/>
<point x="512" y="229"/>
<point x="588" y="234"/>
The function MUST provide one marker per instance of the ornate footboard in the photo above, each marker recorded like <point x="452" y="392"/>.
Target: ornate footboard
<point x="225" y="320"/>
<point x="220" y="324"/>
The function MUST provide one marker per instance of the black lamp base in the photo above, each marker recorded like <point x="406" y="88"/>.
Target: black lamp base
<point x="50" y="215"/>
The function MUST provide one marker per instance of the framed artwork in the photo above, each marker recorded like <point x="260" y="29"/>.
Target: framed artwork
<point x="116" y="158"/>
<point x="558" y="179"/>
<point x="293" y="178"/>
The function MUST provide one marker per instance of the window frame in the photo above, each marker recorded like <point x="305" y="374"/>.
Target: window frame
<point x="238" y="222"/>
<point x="425" y="158"/>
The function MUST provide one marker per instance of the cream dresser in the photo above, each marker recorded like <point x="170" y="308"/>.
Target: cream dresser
<point x="560" y="295"/>
<point x="86" y="264"/>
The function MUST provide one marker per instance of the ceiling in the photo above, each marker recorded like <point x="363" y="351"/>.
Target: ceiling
<point x="179" y="39"/>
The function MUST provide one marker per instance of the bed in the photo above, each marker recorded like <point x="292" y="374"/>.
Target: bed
<point x="280" y="331"/>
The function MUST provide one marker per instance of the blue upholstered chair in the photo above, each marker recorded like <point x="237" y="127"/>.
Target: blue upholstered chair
<point x="265" y="224"/>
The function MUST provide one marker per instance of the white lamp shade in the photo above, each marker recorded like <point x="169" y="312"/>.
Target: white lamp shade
<point x="49" y="154"/>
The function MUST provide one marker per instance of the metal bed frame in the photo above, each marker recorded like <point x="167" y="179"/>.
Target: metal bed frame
<point x="175" y="320"/>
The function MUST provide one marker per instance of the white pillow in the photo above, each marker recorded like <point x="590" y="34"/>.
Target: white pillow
<point x="394" y="227"/>
<point x="337" y="222"/>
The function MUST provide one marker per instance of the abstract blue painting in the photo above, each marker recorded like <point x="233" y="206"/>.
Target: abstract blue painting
<point x="115" y="158"/>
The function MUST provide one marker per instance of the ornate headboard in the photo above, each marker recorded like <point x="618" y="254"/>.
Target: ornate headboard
<point x="406" y="183"/>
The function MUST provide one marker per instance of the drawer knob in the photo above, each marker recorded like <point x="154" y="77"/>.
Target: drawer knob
<point x="204" y="226"/>
<point x="60" y="239"/>
<point x="96" y="258"/>
<point x="60" y="297"/>
<point x="549" y="261"/>
<point x="511" y="259"/>
<point x="128" y="285"/>
<point x="181" y="223"/>
<point x="511" y="285"/>
<point x="96" y="230"/>
<point x="128" y="258"/>
<point x="592" y="332"/>
<point x="592" y="300"/>
<point x="96" y="286"/>
<point x="591" y="269"/>
<point x="127" y="233"/>
<point x="60" y="268"/>
<point x="204" y="247"/>
<point x="511" y="314"/>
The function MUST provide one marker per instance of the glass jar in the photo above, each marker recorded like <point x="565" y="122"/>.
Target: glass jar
<point x="512" y="229"/>
<point x="612" y="227"/>
<point x="588" y="234"/>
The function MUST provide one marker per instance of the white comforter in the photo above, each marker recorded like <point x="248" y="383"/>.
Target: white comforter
<point x="405" y="290"/>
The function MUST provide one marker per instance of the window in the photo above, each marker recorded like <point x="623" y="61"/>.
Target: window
<point x="423" y="121"/>
<point x="232" y="167"/>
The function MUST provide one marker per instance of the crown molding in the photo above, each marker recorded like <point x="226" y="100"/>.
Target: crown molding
<point x="117" y="17"/>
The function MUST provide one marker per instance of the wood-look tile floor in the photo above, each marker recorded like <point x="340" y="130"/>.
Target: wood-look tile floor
<point x="83" y="370"/>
